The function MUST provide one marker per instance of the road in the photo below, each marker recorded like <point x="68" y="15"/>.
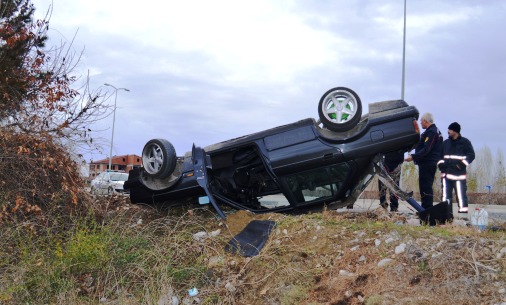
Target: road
<point x="495" y="212"/>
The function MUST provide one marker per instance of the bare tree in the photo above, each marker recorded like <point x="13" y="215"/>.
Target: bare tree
<point x="500" y="173"/>
<point x="43" y="113"/>
<point x="40" y="95"/>
<point x="479" y="172"/>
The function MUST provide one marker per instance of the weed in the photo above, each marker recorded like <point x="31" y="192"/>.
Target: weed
<point x="294" y="295"/>
<point x="126" y="261"/>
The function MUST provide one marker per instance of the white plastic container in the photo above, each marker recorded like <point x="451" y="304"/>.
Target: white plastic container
<point x="479" y="219"/>
<point x="193" y="292"/>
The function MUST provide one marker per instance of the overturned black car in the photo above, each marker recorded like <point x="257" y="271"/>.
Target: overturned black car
<point x="297" y="167"/>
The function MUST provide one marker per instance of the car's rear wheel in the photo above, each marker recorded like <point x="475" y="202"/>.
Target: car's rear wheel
<point x="159" y="158"/>
<point x="340" y="109"/>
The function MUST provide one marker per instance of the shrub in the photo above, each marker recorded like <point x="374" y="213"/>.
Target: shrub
<point x="36" y="175"/>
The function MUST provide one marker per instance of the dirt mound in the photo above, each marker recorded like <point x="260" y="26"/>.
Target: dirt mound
<point x="372" y="258"/>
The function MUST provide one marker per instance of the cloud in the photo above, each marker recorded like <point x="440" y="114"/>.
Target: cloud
<point x="208" y="71"/>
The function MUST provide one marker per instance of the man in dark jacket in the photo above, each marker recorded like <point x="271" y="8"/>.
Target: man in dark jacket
<point x="426" y="156"/>
<point x="458" y="153"/>
<point x="392" y="161"/>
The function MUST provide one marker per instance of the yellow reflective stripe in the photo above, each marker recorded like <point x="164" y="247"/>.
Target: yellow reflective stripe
<point x="440" y="161"/>
<point x="465" y="162"/>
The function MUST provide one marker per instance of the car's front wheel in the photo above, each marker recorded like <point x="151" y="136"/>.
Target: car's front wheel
<point x="159" y="158"/>
<point x="340" y="109"/>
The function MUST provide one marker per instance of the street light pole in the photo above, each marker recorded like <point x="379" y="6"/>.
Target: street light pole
<point x="403" y="53"/>
<point x="113" y="119"/>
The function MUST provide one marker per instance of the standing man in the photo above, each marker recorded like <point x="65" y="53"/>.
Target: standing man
<point x="458" y="153"/>
<point x="392" y="161"/>
<point x="426" y="156"/>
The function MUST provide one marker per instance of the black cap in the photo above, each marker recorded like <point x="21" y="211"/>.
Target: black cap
<point x="455" y="127"/>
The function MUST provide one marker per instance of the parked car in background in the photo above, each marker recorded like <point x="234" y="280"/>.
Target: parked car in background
<point x="109" y="183"/>
<point x="298" y="167"/>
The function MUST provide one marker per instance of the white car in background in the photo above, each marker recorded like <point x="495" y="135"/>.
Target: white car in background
<point x="109" y="183"/>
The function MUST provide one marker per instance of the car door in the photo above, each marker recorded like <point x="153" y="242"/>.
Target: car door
<point x="313" y="186"/>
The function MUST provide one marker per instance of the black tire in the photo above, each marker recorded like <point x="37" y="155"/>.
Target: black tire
<point x="159" y="158"/>
<point x="340" y="109"/>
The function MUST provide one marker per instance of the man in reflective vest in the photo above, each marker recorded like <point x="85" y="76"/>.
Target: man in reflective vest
<point x="458" y="153"/>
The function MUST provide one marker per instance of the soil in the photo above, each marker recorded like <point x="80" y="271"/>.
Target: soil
<point x="367" y="258"/>
<point x="351" y="258"/>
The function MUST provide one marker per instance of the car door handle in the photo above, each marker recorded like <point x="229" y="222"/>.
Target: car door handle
<point x="328" y="156"/>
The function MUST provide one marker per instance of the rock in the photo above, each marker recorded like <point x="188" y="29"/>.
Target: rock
<point x="459" y="223"/>
<point x="191" y="301"/>
<point x="345" y="273"/>
<point x="230" y="287"/>
<point x="362" y="259"/>
<point x="215" y="261"/>
<point x="354" y="248"/>
<point x="165" y="300"/>
<point x="200" y="236"/>
<point x="215" y="233"/>
<point x="436" y="254"/>
<point x="501" y="253"/>
<point x="414" y="222"/>
<point x="400" y="248"/>
<point x="389" y="240"/>
<point x="384" y="262"/>
<point x="377" y="242"/>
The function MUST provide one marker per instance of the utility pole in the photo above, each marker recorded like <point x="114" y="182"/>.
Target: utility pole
<point x="403" y="53"/>
<point x="113" y="119"/>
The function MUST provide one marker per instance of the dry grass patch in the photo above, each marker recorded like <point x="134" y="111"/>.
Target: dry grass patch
<point x="130" y="254"/>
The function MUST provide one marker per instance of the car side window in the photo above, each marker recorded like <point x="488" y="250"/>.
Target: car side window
<point x="318" y="184"/>
<point x="119" y="177"/>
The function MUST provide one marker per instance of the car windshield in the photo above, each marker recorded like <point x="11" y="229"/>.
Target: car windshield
<point x="119" y="177"/>
<point x="317" y="184"/>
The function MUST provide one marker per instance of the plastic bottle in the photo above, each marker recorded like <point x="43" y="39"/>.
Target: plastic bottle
<point x="479" y="219"/>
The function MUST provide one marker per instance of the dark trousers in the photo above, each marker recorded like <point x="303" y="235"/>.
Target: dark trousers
<point x="394" y="201"/>
<point x="426" y="172"/>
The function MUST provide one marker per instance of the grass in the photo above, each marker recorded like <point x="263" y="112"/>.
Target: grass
<point x="93" y="261"/>
<point x="137" y="255"/>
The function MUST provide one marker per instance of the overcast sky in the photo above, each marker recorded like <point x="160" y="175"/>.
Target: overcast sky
<point x="207" y="71"/>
